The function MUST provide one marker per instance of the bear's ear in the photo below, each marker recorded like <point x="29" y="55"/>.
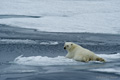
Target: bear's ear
<point x="71" y="44"/>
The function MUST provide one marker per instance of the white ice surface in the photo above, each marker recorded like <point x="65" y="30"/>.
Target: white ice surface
<point x="44" y="61"/>
<point x="27" y="41"/>
<point x="95" y="16"/>
<point x="108" y="70"/>
<point x="59" y="60"/>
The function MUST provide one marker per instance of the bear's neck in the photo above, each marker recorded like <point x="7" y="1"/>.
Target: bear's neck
<point x="72" y="49"/>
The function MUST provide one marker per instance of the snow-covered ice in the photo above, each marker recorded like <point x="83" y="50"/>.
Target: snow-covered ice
<point x="59" y="60"/>
<point x="95" y="16"/>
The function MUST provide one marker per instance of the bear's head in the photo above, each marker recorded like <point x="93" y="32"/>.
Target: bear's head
<point x="68" y="46"/>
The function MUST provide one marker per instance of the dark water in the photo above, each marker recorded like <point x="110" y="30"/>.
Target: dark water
<point x="27" y="54"/>
<point x="17" y="16"/>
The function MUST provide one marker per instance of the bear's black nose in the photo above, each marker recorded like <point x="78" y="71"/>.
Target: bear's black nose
<point x="64" y="47"/>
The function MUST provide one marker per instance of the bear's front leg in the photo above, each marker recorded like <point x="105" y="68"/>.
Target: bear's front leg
<point x="69" y="56"/>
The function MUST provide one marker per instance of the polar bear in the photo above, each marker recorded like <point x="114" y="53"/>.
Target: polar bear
<point x="79" y="53"/>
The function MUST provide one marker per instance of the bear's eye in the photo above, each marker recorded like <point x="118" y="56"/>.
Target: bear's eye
<point x="67" y="45"/>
